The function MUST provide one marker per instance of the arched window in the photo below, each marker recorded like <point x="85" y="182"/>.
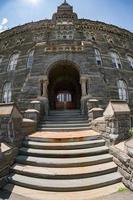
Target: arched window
<point x="122" y="90"/>
<point x="30" y="59"/>
<point x="116" y="60"/>
<point x="1" y="58"/>
<point x="7" y="93"/>
<point x="130" y="60"/>
<point x="98" y="57"/>
<point x="13" y="62"/>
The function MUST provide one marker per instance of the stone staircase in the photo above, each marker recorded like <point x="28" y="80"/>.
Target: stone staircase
<point x="67" y="169"/>
<point x="67" y="120"/>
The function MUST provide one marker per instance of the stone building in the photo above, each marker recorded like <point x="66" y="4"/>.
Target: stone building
<point x="66" y="60"/>
<point x="59" y="64"/>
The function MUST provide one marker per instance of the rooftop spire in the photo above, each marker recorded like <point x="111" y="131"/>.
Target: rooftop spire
<point x="65" y="12"/>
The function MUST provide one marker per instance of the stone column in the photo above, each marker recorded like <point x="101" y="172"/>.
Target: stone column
<point x="43" y="98"/>
<point x="83" y="81"/>
<point x="45" y="87"/>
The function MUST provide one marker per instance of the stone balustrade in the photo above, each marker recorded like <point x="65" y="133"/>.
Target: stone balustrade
<point x="32" y="114"/>
<point x="7" y="159"/>
<point x="95" y="113"/>
<point x="124" y="161"/>
<point x="115" y="122"/>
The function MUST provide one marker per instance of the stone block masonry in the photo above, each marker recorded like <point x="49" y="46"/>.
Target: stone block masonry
<point x="125" y="165"/>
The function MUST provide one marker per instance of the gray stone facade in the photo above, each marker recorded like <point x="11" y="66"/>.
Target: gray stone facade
<point x="124" y="162"/>
<point x="115" y="123"/>
<point x="10" y="123"/>
<point x="71" y="41"/>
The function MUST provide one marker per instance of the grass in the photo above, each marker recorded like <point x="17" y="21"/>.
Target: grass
<point x="122" y="189"/>
<point x="131" y="132"/>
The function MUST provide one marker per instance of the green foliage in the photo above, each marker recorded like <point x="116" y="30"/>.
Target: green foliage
<point x="122" y="189"/>
<point x="131" y="132"/>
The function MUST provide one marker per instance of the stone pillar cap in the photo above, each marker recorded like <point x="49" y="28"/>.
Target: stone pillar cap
<point x="96" y="109"/>
<point x="28" y="120"/>
<point x="93" y="100"/>
<point x="31" y="110"/>
<point x="36" y="101"/>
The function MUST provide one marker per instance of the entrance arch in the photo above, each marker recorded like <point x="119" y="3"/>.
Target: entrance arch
<point x="64" y="89"/>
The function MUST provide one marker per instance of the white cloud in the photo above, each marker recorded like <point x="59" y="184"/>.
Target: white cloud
<point x="3" y="24"/>
<point x="4" y="21"/>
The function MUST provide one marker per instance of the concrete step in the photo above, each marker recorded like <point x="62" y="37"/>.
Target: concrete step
<point x="64" y="153"/>
<point x="64" y="122"/>
<point x="81" y="128"/>
<point x="55" y="125"/>
<point x="58" y="138"/>
<point x="67" y="185"/>
<point x="63" y="146"/>
<point x="27" y="193"/>
<point x="65" y="111"/>
<point x="61" y="119"/>
<point x="67" y="117"/>
<point x="66" y="114"/>
<point x="65" y="173"/>
<point x="64" y="162"/>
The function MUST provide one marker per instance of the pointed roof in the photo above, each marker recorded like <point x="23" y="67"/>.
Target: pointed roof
<point x="116" y="107"/>
<point x="8" y="109"/>
<point x="65" y="6"/>
<point x="65" y="12"/>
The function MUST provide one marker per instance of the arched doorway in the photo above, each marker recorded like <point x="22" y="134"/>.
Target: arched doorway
<point x="64" y="90"/>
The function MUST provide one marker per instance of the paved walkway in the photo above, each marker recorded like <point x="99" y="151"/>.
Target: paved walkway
<point x="5" y="195"/>
<point x="128" y="195"/>
<point x="118" y="196"/>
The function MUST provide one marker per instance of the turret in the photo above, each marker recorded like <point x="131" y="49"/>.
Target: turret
<point x="64" y="13"/>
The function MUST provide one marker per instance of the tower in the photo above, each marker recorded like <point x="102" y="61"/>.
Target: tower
<point x="64" y="13"/>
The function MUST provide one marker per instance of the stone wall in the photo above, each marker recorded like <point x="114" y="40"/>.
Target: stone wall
<point x="125" y="165"/>
<point x="6" y="160"/>
<point x="115" y="123"/>
<point x="28" y="127"/>
<point x="13" y="126"/>
<point x="12" y="140"/>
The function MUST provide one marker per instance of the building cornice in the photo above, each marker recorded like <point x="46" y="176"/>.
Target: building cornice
<point x="80" y="24"/>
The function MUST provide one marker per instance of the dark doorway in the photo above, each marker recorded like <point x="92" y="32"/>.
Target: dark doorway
<point x="64" y="90"/>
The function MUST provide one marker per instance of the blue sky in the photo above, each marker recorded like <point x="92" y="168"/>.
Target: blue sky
<point x="16" y="12"/>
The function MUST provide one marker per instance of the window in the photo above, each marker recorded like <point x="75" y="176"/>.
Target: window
<point x="30" y="59"/>
<point x="13" y="62"/>
<point x="116" y="60"/>
<point x="66" y="35"/>
<point x="1" y="58"/>
<point x="98" y="57"/>
<point x="7" y="93"/>
<point x="93" y="38"/>
<point x="10" y="131"/>
<point x="130" y="60"/>
<point x="64" y="97"/>
<point x="122" y="90"/>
